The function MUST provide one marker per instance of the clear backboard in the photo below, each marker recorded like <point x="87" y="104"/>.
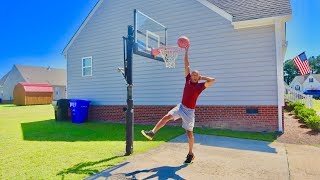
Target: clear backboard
<point x="149" y="34"/>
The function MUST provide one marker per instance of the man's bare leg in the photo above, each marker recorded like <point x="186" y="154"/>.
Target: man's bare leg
<point x="190" y="141"/>
<point x="162" y="122"/>
<point x="190" y="155"/>
<point x="159" y="125"/>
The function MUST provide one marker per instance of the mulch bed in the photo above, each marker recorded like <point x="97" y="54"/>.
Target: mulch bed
<point x="296" y="132"/>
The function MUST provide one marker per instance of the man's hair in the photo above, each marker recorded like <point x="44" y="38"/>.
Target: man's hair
<point x="196" y="71"/>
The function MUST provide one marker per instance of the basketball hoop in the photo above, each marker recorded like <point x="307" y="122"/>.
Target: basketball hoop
<point x="168" y="53"/>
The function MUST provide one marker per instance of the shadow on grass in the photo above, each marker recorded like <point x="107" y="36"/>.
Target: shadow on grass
<point x="87" y="168"/>
<point x="51" y="130"/>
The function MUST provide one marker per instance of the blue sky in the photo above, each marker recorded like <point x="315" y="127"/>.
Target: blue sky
<point x="35" y="32"/>
<point x="303" y="30"/>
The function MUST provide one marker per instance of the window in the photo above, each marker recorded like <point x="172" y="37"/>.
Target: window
<point x="310" y="79"/>
<point x="297" y="87"/>
<point x="87" y="66"/>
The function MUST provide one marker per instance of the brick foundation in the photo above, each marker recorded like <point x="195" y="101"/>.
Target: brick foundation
<point x="224" y="117"/>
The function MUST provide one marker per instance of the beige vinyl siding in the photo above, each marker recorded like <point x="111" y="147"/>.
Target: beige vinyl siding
<point x="242" y="61"/>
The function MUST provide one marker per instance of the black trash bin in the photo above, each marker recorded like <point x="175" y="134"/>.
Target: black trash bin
<point x="61" y="110"/>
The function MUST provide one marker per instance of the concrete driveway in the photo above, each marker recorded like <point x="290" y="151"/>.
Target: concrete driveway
<point x="220" y="158"/>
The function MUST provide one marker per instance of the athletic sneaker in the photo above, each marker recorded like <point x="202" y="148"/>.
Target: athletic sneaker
<point x="148" y="134"/>
<point x="189" y="159"/>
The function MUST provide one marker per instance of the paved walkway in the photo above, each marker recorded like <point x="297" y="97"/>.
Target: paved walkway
<point x="220" y="158"/>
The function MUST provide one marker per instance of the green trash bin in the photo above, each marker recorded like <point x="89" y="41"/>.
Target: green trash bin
<point x="61" y="110"/>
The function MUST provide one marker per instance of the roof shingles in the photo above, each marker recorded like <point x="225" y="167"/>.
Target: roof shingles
<point x="53" y="76"/>
<point x="242" y="10"/>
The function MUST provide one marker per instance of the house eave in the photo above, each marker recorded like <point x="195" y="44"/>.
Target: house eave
<point x="260" y="22"/>
<point x="84" y="23"/>
<point x="216" y="9"/>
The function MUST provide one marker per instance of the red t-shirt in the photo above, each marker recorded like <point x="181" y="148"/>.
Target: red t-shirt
<point x="191" y="92"/>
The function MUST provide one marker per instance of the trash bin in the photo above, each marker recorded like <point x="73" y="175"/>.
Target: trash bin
<point x="79" y="110"/>
<point x="61" y="109"/>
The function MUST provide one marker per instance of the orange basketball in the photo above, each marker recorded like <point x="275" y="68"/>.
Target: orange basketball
<point x="183" y="42"/>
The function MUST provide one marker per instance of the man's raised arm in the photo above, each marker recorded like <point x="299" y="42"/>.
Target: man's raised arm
<point x="186" y="62"/>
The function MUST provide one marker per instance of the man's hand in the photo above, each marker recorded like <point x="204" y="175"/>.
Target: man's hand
<point x="209" y="80"/>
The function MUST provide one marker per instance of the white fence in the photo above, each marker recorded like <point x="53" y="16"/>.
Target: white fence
<point x="293" y="96"/>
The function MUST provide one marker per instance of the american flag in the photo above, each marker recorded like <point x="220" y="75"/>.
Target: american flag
<point x="302" y="63"/>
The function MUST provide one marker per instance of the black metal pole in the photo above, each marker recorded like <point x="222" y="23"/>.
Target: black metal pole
<point x="129" y="112"/>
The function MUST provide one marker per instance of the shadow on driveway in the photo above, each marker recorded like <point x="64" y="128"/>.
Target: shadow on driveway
<point x="228" y="142"/>
<point x="163" y="172"/>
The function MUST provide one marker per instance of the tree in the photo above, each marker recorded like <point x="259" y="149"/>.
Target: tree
<point x="314" y="64"/>
<point x="290" y="71"/>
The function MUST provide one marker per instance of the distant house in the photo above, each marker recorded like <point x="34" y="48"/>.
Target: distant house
<point x="32" y="74"/>
<point x="306" y="82"/>
<point x="240" y="43"/>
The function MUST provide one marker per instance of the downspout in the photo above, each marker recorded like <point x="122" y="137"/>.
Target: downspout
<point x="279" y="59"/>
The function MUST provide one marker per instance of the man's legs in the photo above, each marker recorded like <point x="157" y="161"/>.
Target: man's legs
<point x="159" y="125"/>
<point x="162" y="122"/>
<point x="190" y="141"/>
<point x="190" y="156"/>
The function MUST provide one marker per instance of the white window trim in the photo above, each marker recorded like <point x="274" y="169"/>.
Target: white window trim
<point x="88" y="57"/>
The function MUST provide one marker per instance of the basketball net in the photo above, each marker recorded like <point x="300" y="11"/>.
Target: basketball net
<point x="169" y="55"/>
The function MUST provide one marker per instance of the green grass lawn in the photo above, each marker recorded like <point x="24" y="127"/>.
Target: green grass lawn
<point x="35" y="146"/>
<point x="316" y="105"/>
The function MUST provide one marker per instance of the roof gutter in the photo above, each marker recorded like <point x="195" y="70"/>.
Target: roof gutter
<point x="260" y="22"/>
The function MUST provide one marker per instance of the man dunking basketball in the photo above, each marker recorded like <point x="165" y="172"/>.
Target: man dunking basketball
<point x="185" y="109"/>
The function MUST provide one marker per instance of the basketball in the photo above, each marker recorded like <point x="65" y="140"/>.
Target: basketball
<point x="183" y="42"/>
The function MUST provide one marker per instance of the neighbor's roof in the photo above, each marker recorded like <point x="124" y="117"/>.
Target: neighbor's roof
<point x="317" y="76"/>
<point x="242" y="10"/>
<point x="301" y="79"/>
<point x="36" y="87"/>
<point x="34" y="74"/>
<point x="3" y="79"/>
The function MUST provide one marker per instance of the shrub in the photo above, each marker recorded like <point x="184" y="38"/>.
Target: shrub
<point x="296" y="109"/>
<point x="313" y="122"/>
<point x="292" y="105"/>
<point x="305" y="113"/>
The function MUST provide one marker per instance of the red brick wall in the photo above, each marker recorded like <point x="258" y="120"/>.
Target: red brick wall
<point x="225" y="117"/>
